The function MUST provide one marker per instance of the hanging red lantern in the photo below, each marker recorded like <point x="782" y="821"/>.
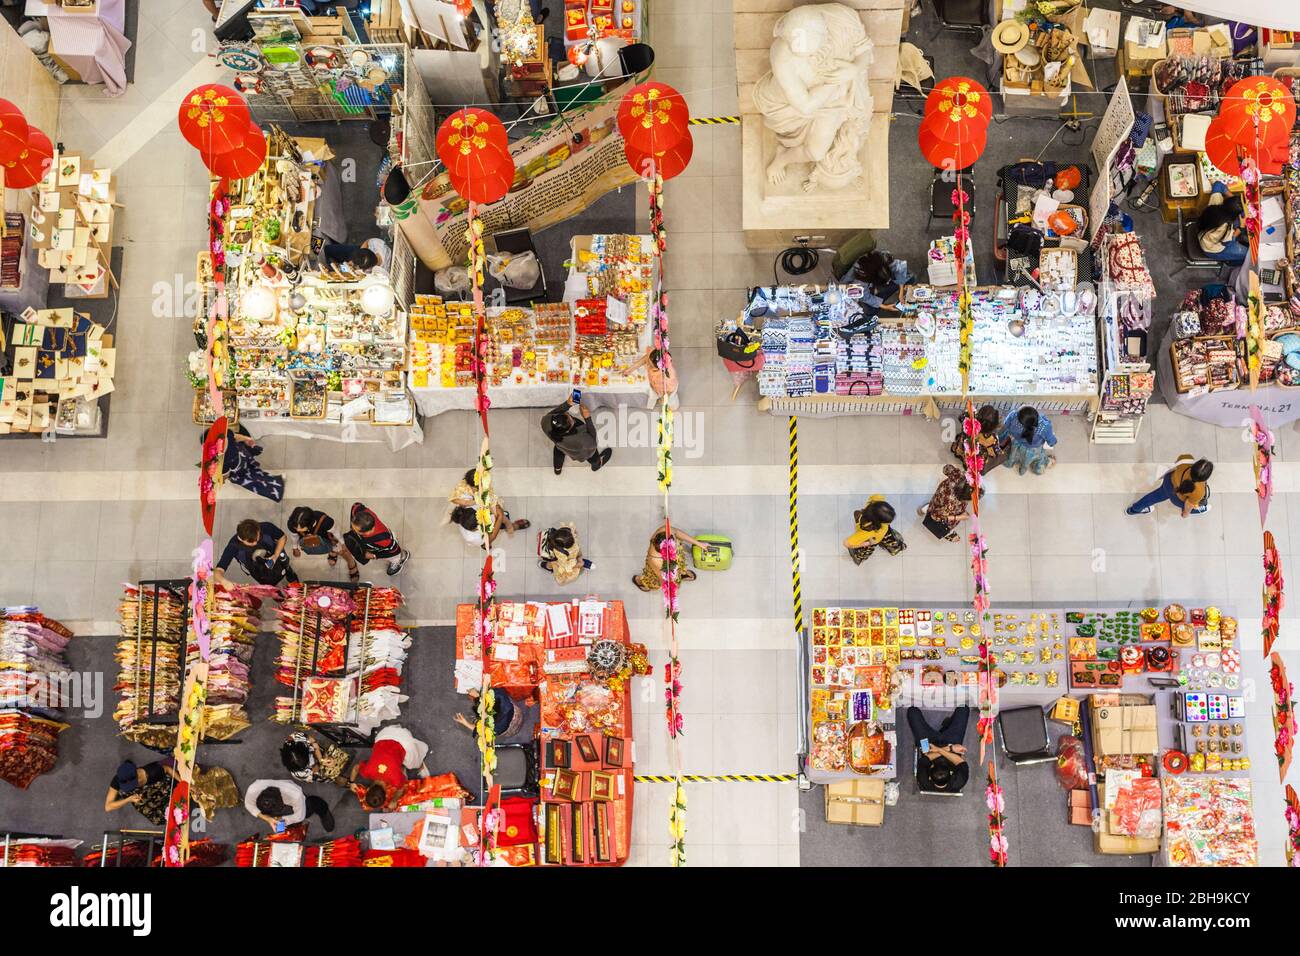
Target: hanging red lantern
<point x="13" y="131"/>
<point x="962" y="96"/>
<point x="467" y="131"/>
<point x="484" y="187"/>
<point x="242" y="161"/>
<point x="473" y="147"/>
<point x="668" y="163"/>
<point x="1221" y="148"/>
<point x="32" y="162"/>
<point x="213" y="118"/>
<point x="1256" y="110"/>
<point x="964" y="145"/>
<point x="653" y="117"/>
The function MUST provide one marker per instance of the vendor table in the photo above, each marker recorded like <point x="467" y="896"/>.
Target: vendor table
<point x="1226" y="407"/>
<point x="435" y="401"/>
<point x="396" y="437"/>
<point x="901" y="671"/>
<point x="540" y="664"/>
<point x="90" y="45"/>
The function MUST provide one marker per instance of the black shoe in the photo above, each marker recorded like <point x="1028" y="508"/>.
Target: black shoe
<point x="327" y="820"/>
<point x="602" y="459"/>
<point x="558" y="461"/>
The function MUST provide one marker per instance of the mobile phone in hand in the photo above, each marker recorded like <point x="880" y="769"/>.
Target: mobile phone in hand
<point x="576" y="397"/>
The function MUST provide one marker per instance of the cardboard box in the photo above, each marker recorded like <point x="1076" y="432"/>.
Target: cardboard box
<point x="1112" y="844"/>
<point x="856" y="802"/>
<point x="1126" y="729"/>
<point x="1101" y="28"/>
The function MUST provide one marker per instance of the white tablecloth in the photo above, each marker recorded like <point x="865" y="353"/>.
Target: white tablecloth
<point x="396" y="437"/>
<point x="93" y="44"/>
<point x="435" y="401"/>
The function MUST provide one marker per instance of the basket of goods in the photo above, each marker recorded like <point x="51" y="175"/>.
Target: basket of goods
<point x="868" y="750"/>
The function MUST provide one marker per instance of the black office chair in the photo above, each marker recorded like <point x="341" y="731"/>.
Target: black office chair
<point x="518" y="771"/>
<point x="942" y="186"/>
<point x="1024" y="735"/>
<point x="1193" y="256"/>
<point x="967" y="15"/>
<point x="517" y="241"/>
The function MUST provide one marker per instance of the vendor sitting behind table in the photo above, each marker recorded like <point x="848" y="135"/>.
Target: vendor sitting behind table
<point x="381" y="779"/>
<point x="507" y="717"/>
<point x="941" y="764"/>
<point x="370" y="255"/>
<point x="1218" y="231"/>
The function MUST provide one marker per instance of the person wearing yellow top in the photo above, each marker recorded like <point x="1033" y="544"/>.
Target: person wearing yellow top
<point x="873" y="529"/>
<point x="1186" y="485"/>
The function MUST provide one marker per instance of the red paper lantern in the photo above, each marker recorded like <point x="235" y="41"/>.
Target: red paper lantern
<point x="242" y="161"/>
<point x="1257" y="101"/>
<point x="963" y="96"/>
<point x="1221" y="148"/>
<point x="13" y="131"/>
<point x="653" y="117"/>
<point x="963" y="145"/>
<point x="213" y="118"/>
<point x="484" y="187"/>
<point x="668" y="163"/>
<point x="32" y="162"/>
<point x="468" y="130"/>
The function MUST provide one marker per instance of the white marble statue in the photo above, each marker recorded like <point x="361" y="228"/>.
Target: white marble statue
<point x="816" y="99"/>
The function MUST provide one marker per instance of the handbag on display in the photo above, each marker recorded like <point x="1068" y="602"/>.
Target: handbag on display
<point x="739" y="346"/>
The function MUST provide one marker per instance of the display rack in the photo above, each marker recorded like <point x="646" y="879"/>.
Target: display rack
<point x="148" y="710"/>
<point x="1127" y="380"/>
<point x="125" y="846"/>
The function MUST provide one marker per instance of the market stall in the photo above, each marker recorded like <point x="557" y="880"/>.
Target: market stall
<point x="33" y="693"/>
<point x="823" y="356"/>
<point x="576" y="660"/>
<point x="87" y="39"/>
<point x="63" y="366"/>
<point x="1148" y="694"/>
<point x="537" y="356"/>
<point x="1124" y="315"/>
<point x="309" y="352"/>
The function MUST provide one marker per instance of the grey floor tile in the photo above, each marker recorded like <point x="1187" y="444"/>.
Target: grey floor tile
<point x="68" y="530"/>
<point x="65" y="589"/>
<point x="1118" y="533"/>
<point x="744" y="682"/>
<point x="1058" y="579"/>
<point x="129" y="530"/>
<point x="16" y="581"/>
<point x="1060" y="524"/>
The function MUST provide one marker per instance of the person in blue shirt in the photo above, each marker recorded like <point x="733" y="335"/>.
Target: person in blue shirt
<point x="1031" y="436"/>
<point x="259" y="548"/>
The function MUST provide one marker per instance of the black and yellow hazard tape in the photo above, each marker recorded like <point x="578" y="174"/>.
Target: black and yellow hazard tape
<point x="719" y="778"/>
<point x="795" y="582"/>
<point x="714" y="120"/>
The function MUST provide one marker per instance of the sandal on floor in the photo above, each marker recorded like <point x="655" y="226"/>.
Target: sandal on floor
<point x="523" y="524"/>
<point x="688" y="575"/>
<point x="355" y="575"/>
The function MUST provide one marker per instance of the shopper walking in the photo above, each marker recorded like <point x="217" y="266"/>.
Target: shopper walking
<point x="1030" y="435"/>
<point x="948" y="506"/>
<point x="992" y="447"/>
<point x="281" y="804"/>
<point x="462" y="511"/>
<point x="651" y="576"/>
<point x="663" y="381"/>
<point x="240" y="465"/>
<point x="574" y="437"/>
<point x="371" y="538"/>
<point x="315" y="535"/>
<point x="561" y="555"/>
<point x="259" y="548"/>
<point x="1186" y="485"/>
<point x="873" y="528"/>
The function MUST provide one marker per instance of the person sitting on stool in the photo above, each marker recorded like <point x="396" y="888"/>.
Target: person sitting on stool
<point x="941" y="765"/>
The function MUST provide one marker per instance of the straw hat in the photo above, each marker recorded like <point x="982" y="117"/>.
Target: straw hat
<point x="1010" y="36"/>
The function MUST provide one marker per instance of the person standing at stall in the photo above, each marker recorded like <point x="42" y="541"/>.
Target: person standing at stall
<point x="259" y="548"/>
<point x="1030" y="436"/>
<point x="315" y="533"/>
<point x="949" y="506"/>
<point x="281" y="804"/>
<point x="574" y="437"/>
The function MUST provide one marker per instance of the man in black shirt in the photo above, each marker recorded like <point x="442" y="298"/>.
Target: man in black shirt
<point x="259" y="550"/>
<point x="573" y="438"/>
<point x="941" y="764"/>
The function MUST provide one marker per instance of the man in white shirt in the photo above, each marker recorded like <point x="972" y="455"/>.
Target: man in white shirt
<point x="281" y="803"/>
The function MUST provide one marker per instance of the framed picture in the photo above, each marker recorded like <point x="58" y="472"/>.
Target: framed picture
<point x="565" y="786"/>
<point x="559" y="753"/>
<point x="613" y="756"/>
<point x="602" y="786"/>
<point x="587" y="748"/>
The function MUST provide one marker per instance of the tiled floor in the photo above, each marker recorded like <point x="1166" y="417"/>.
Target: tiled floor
<point x="80" y="517"/>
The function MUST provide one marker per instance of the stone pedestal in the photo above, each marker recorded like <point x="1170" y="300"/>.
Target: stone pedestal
<point x="772" y="216"/>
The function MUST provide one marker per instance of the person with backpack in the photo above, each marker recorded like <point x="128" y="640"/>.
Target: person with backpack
<point x="371" y="538"/>
<point x="1030" y="435"/>
<point x="873" y="528"/>
<point x="1186" y="485"/>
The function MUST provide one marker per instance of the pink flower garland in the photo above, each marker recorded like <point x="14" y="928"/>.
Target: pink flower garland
<point x="995" y="800"/>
